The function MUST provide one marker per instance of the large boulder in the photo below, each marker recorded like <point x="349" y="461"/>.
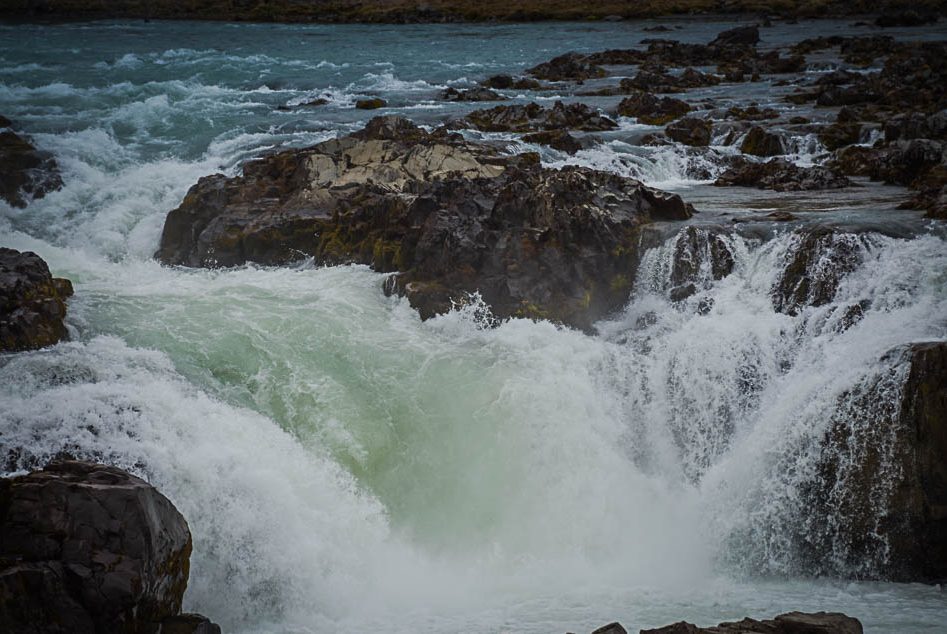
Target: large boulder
<point x="690" y="131"/>
<point x="881" y="485"/>
<point x="762" y="142"/>
<point x="89" y="549"/>
<point x="449" y="216"/>
<point x="782" y="176"/>
<point x="790" y="623"/>
<point x="533" y="118"/>
<point x="25" y="172"/>
<point x="568" y="67"/>
<point x="653" y="110"/>
<point x="32" y="302"/>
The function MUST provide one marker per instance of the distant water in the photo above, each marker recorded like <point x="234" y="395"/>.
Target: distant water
<point x="345" y="467"/>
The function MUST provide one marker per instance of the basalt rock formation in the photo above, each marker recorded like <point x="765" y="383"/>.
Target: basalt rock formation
<point x="90" y="549"/>
<point x="32" y="302"/>
<point x="26" y="173"/>
<point x="448" y="216"/>
<point x="534" y="118"/>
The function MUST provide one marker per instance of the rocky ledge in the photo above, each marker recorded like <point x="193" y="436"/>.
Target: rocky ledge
<point x="447" y="216"/>
<point x="32" y="302"/>
<point x="26" y="173"/>
<point x="90" y="549"/>
<point x="789" y="623"/>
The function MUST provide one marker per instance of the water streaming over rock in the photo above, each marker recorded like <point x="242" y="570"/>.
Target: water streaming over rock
<point x="345" y="466"/>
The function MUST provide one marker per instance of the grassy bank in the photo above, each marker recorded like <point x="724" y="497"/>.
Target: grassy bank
<point x="440" y="10"/>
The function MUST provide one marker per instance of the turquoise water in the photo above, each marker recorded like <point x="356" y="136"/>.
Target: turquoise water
<point x="343" y="465"/>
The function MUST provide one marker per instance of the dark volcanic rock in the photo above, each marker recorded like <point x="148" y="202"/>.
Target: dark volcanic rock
<point x="506" y="82"/>
<point x="790" y="623"/>
<point x="370" y="104"/>
<point x="762" y="142"/>
<point x="25" y="172"/>
<point x="451" y="216"/>
<point x="882" y="481"/>
<point x="690" y="131"/>
<point x="86" y="548"/>
<point x="660" y="81"/>
<point x="471" y="94"/>
<point x="916" y="125"/>
<point x="556" y="139"/>
<point x="814" y="267"/>
<point x="32" y="302"/>
<point x="908" y="163"/>
<point x="567" y="67"/>
<point x="781" y="175"/>
<point x="533" y="118"/>
<point x="653" y="110"/>
<point x="905" y="18"/>
<point x="740" y="36"/>
<point x="188" y="624"/>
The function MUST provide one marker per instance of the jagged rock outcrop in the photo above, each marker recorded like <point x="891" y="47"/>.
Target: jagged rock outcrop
<point x="690" y="131"/>
<point x="26" y="173"/>
<point x="789" y="623"/>
<point x="568" y="67"/>
<point x="471" y="94"/>
<point x="556" y="139"/>
<point x="451" y="217"/>
<point x="881" y="485"/>
<point x="90" y="549"/>
<point x="534" y="118"/>
<point x="32" y="302"/>
<point x="782" y="176"/>
<point x="653" y="110"/>
<point x="762" y="142"/>
<point x="815" y="264"/>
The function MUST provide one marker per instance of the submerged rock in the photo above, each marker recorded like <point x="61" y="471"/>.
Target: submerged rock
<point x="533" y="118"/>
<point x="781" y="175"/>
<point x="452" y="217"/>
<point x="789" y="623"/>
<point x="32" y="302"/>
<point x="26" y="173"/>
<point x="90" y="549"/>
<point x="370" y="104"/>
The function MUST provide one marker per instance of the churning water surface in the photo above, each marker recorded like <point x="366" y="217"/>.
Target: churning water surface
<point x="344" y="466"/>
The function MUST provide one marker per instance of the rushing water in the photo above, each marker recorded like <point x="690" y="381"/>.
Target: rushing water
<point x="346" y="467"/>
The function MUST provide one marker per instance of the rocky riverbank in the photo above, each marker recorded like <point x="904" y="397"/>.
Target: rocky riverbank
<point x="90" y="549"/>
<point x="890" y="12"/>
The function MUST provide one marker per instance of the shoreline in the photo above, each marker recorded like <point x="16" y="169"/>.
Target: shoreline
<point x="455" y="11"/>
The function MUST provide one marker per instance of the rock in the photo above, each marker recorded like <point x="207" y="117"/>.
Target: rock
<point x="611" y="628"/>
<point x="568" y="67"/>
<point x="450" y="216"/>
<point x="907" y="163"/>
<point x="753" y="113"/>
<point x="188" y="624"/>
<point x="471" y="94"/>
<point x="32" y="302"/>
<point x="790" y="623"/>
<point x="507" y="82"/>
<point x="87" y="548"/>
<point x="932" y="200"/>
<point x="556" y="139"/>
<point x="660" y="81"/>
<point x="814" y="267"/>
<point x="690" y="131"/>
<point x="782" y="176"/>
<point x="905" y="18"/>
<point x="370" y="104"/>
<point x="916" y="125"/>
<point x="761" y="142"/>
<point x="532" y="117"/>
<point x="881" y="485"/>
<point x="700" y="256"/>
<point x="652" y="110"/>
<point x="840" y="134"/>
<point x="25" y="172"/>
<point x="741" y="36"/>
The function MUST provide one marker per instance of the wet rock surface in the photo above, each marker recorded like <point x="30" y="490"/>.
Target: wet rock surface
<point x="653" y="110"/>
<point x="789" y="623"/>
<point x="815" y="265"/>
<point x="26" y="173"/>
<point x="87" y="548"/>
<point x="781" y="175"/>
<point x="32" y="302"/>
<point x="533" y="118"/>
<point x="451" y="217"/>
